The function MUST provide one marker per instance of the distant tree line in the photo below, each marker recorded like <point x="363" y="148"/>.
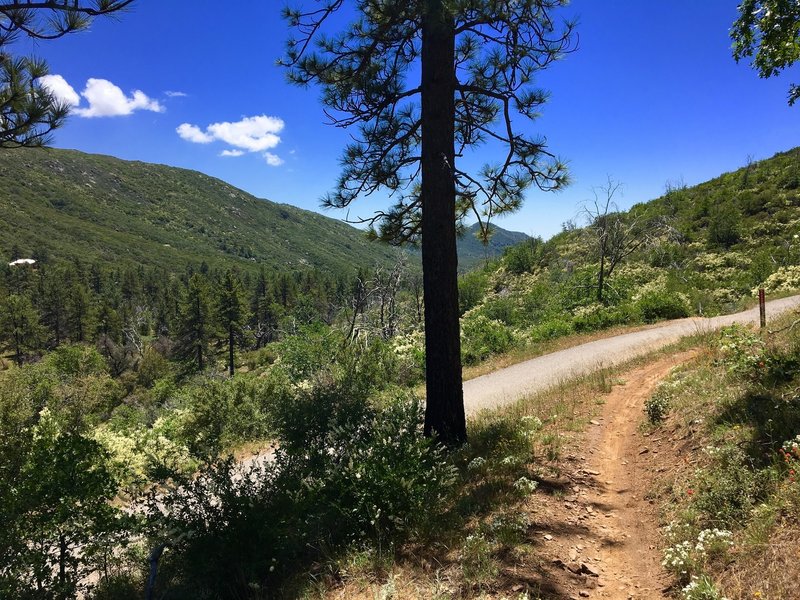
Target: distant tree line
<point x="194" y="316"/>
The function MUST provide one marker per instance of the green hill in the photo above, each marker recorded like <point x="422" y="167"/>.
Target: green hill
<point x="696" y="250"/>
<point x="471" y="251"/>
<point x="65" y="204"/>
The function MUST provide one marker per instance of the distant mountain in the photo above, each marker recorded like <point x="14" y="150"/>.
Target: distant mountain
<point x="70" y="205"/>
<point x="471" y="251"/>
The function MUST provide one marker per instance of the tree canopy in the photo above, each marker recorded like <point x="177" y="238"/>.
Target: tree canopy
<point x="768" y="31"/>
<point x="426" y="83"/>
<point x="28" y="110"/>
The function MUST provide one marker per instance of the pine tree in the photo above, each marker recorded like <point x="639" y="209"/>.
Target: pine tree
<point x="195" y="322"/>
<point x="231" y="313"/>
<point x="50" y="298"/>
<point x="28" y="110"/>
<point x="79" y="312"/>
<point x="768" y="31"/>
<point x="19" y="325"/>
<point x="474" y="60"/>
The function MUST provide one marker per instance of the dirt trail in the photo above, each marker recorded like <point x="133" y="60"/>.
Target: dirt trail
<point x="610" y="546"/>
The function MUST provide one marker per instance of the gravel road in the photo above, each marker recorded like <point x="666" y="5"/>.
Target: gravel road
<point x="523" y="379"/>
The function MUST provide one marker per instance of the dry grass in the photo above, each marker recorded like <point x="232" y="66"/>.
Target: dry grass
<point x="768" y="571"/>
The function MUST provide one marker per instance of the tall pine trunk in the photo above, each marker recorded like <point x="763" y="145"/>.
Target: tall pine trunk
<point x="230" y="350"/>
<point x="444" y="412"/>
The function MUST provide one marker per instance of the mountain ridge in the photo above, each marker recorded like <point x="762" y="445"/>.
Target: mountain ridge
<point x="72" y="205"/>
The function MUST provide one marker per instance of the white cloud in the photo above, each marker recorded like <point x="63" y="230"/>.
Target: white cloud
<point x="62" y="90"/>
<point x="273" y="160"/>
<point x="171" y="94"/>
<point x="105" y="99"/>
<point x="192" y="133"/>
<point x="250" y="134"/>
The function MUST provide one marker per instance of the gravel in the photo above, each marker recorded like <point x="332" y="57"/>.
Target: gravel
<point x="508" y="385"/>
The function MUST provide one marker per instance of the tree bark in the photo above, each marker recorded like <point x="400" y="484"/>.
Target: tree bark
<point x="230" y="350"/>
<point x="444" y="410"/>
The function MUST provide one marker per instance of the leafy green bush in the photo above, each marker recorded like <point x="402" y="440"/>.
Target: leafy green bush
<point x="660" y="304"/>
<point x="218" y="414"/>
<point x="310" y="350"/>
<point x="725" y="492"/>
<point x="550" y="329"/>
<point x="657" y="406"/>
<point x="500" y="308"/>
<point x="472" y="288"/>
<point x="356" y="474"/>
<point x="481" y="338"/>
<point x="596" y="316"/>
<point x="724" y="226"/>
<point x="523" y="257"/>
<point x="59" y="526"/>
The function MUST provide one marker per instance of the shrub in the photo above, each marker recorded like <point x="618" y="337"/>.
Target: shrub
<point x="477" y="563"/>
<point x="152" y="367"/>
<point x="500" y="308"/>
<point x="311" y="349"/>
<point x="657" y="406"/>
<point x="362" y="474"/>
<point x="218" y="414"/>
<point x="596" y="316"/>
<point x="656" y="305"/>
<point x="482" y="337"/>
<point x="472" y="288"/>
<point x="724" y="227"/>
<point x="550" y="329"/>
<point x="523" y="257"/>
<point x="784" y="279"/>
<point x="726" y="491"/>
<point x="55" y="506"/>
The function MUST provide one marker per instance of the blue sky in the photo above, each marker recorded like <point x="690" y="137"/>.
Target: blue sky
<point x="651" y="95"/>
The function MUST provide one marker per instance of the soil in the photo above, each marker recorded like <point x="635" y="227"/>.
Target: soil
<point x="602" y="536"/>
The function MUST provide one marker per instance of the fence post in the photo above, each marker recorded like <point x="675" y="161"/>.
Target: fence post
<point x="762" y="307"/>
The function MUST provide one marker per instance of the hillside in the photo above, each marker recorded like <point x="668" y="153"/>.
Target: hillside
<point x="699" y="250"/>
<point x="71" y="205"/>
<point x="471" y="251"/>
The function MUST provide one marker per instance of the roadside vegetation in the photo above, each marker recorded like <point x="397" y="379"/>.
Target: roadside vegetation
<point x="131" y="399"/>
<point x="731" y="504"/>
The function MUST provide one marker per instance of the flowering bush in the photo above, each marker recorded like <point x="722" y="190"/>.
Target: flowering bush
<point x="686" y="559"/>
<point x="786" y="278"/>
<point x="476" y="560"/>
<point x="701" y="588"/>
<point x="742" y="350"/>
<point x="789" y="455"/>
<point x="657" y="405"/>
<point x="509" y="528"/>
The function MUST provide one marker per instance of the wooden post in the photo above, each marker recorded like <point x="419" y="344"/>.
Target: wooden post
<point x="762" y="307"/>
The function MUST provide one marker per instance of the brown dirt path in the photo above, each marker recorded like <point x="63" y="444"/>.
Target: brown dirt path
<point x="611" y="549"/>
